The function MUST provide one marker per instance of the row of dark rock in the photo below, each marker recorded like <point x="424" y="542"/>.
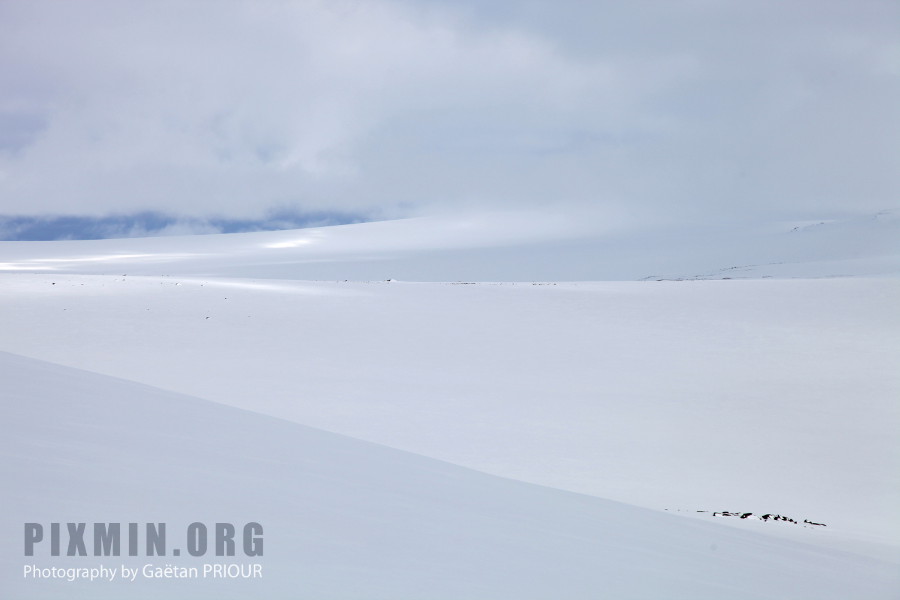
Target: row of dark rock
<point x="764" y="517"/>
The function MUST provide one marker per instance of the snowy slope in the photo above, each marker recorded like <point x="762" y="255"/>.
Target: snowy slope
<point x="770" y="396"/>
<point x="347" y="519"/>
<point x="772" y="392"/>
<point x="493" y="247"/>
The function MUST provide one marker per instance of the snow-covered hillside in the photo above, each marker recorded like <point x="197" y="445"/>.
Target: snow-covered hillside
<point x="346" y="519"/>
<point x="493" y="247"/>
<point x="776" y="395"/>
<point x="772" y="395"/>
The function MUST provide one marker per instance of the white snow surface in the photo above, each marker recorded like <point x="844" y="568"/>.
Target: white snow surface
<point x="753" y="394"/>
<point x="518" y="246"/>
<point x="347" y="519"/>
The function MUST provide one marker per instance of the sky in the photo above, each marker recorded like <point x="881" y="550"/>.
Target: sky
<point x="664" y="111"/>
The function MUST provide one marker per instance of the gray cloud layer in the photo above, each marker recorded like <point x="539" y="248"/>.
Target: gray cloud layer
<point x="664" y="109"/>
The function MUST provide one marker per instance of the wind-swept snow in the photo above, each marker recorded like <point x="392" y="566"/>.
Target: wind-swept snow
<point x="513" y="246"/>
<point x="347" y="519"/>
<point x="765" y="395"/>
<point x="778" y="396"/>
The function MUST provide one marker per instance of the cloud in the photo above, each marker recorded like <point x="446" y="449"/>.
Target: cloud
<point x="235" y="109"/>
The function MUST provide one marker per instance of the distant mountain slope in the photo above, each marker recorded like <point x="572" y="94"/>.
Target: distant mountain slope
<point x="493" y="247"/>
<point x="347" y="519"/>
